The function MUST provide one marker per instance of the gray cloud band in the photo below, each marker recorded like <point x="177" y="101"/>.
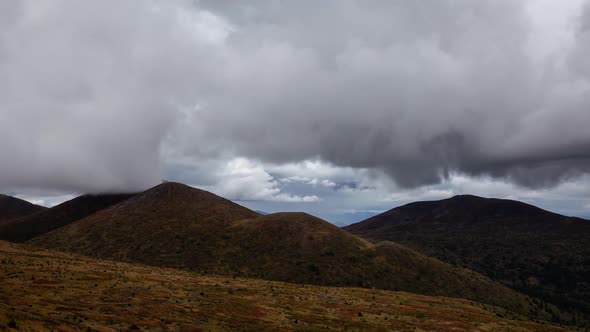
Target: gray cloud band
<point x="90" y="103"/>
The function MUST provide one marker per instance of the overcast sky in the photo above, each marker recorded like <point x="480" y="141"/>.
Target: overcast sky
<point x="340" y="108"/>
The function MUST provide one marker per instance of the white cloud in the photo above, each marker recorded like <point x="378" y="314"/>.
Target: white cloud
<point x="311" y="181"/>
<point x="49" y="199"/>
<point x="37" y="202"/>
<point x="242" y="179"/>
<point x="311" y="169"/>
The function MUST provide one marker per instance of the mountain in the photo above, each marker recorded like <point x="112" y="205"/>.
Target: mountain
<point x="170" y="225"/>
<point x="43" y="290"/>
<point x="534" y="251"/>
<point x="12" y="208"/>
<point x="173" y="225"/>
<point x="46" y="220"/>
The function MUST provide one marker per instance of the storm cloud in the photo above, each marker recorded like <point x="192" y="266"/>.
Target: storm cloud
<point x="107" y="96"/>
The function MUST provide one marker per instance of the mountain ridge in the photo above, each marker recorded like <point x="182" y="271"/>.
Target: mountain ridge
<point x="173" y="225"/>
<point x="12" y="208"/>
<point x="537" y="252"/>
<point x="43" y="221"/>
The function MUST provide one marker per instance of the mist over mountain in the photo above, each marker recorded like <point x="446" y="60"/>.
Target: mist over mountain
<point x="415" y="93"/>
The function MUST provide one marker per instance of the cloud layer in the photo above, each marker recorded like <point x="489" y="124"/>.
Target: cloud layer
<point x="111" y="95"/>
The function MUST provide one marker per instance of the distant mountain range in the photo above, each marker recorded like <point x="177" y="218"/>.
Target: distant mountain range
<point x="540" y="253"/>
<point x="40" y="220"/>
<point x="486" y="250"/>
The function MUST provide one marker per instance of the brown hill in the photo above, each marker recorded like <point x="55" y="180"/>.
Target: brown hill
<point x="177" y="226"/>
<point x="12" y="208"/>
<point x="169" y="225"/>
<point x="46" y="220"/>
<point x="43" y="290"/>
<point x="534" y="251"/>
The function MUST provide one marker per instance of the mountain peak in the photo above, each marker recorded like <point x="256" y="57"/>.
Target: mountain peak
<point x="467" y="197"/>
<point x="291" y="215"/>
<point x="172" y="187"/>
<point x="174" y="195"/>
<point x="466" y="208"/>
<point x="175" y="189"/>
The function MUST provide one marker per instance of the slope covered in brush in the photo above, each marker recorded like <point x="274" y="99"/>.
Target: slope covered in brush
<point x="43" y="290"/>
<point x="534" y="251"/>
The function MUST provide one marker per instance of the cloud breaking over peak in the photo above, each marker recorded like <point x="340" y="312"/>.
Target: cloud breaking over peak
<point x="107" y="96"/>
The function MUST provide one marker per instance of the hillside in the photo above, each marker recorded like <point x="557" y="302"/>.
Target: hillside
<point x="43" y="290"/>
<point x="12" y="208"/>
<point x="534" y="251"/>
<point x="46" y="220"/>
<point x="173" y="225"/>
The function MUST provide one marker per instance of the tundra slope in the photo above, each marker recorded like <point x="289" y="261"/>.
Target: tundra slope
<point x="536" y="252"/>
<point x="43" y="290"/>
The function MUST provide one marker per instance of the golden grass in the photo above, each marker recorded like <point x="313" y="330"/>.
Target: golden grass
<point x="42" y="291"/>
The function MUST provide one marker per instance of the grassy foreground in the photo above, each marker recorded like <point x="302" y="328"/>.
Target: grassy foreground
<point x="42" y="291"/>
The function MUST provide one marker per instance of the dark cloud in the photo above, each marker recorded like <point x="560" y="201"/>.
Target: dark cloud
<point x="93" y="98"/>
<point x="88" y="93"/>
<point x="417" y="91"/>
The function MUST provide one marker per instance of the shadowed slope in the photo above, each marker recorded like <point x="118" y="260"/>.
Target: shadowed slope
<point x="177" y="226"/>
<point x="12" y="208"/>
<point x="25" y="228"/>
<point x="532" y="250"/>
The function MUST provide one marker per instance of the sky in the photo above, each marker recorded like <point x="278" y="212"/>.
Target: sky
<point x="342" y="109"/>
